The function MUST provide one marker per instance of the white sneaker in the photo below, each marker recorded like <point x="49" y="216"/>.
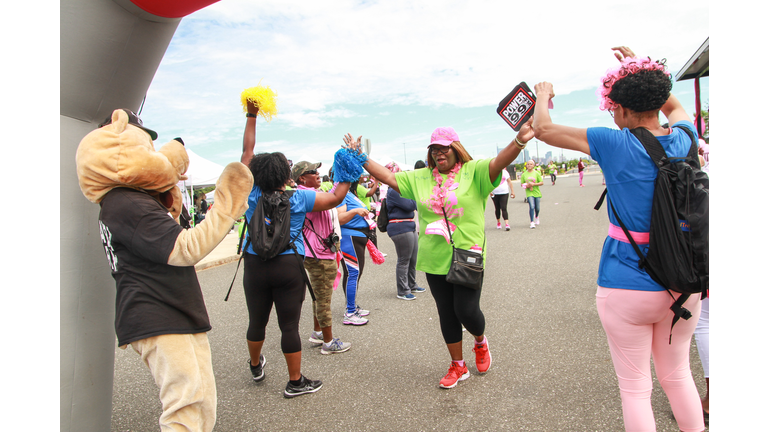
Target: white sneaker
<point x="354" y="319"/>
<point x="316" y="337"/>
<point x="335" y="346"/>
<point x="533" y="224"/>
<point x="536" y="219"/>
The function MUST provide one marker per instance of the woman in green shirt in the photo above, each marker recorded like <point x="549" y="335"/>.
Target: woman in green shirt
<point x="531" y="180"/>
<point x="456" y="184"/>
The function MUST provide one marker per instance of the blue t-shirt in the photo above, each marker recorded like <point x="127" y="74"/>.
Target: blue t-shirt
<point x="352" y="202"/>
<point x="301" y="201"/>
<point x="630" y="175"/>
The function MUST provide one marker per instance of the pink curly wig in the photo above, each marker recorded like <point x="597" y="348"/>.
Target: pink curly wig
<point x="629" y="66"/>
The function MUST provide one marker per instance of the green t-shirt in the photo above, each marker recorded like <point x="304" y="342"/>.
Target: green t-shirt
<point x="466" y="210"/>
<point x="326" y="186"/>
<point x="531" y="191"/>
<point x="361" y="193"/>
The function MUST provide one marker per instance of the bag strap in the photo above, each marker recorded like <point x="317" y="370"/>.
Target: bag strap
<point x="303" y="271"/>
<point x="448" y="227"/>
<point x="306" y="243"/>
<point x="240" y="251"/>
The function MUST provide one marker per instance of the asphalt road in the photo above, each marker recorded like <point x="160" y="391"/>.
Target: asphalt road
<point x="551" y="367"/>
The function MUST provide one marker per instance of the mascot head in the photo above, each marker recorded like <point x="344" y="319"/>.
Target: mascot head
<point x="120" y="153"/>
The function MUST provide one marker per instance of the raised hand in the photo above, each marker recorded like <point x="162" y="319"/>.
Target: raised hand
<point x="526" y="131"/>
<point x="351" y="143"/>
<point x="252" y="108"/>
<point x="623" y="52"/>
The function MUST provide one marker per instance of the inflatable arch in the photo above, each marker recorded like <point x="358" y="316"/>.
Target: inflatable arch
<point x="110" y="51"/>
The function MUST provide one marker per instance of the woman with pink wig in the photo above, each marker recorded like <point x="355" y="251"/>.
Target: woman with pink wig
<point x="634" y="309"/>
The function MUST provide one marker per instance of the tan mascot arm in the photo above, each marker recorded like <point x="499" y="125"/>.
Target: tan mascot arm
<point x="230" y="202"/>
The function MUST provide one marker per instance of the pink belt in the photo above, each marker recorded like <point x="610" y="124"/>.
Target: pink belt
<point x="400" y="220"/>
<point x="617" y="233"/>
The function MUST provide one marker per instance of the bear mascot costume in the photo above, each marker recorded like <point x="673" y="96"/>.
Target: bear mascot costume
<point x="159" y="306"/>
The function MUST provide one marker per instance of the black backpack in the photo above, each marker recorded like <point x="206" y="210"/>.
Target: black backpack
<point x="269" y="231"/>
<point x="383" y="219"/>
<point x="678" y="249"/>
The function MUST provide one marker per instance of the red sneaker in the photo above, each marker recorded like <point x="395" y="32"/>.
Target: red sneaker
<point x="455" y="374"/>
<point x="482" y="357"/>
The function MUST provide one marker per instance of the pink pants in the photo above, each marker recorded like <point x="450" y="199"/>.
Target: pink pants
<point x="637" y="324"/>
<point x="581" y="177"/>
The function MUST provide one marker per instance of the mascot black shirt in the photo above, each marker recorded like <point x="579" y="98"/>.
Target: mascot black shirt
<point x="153" y="298"/>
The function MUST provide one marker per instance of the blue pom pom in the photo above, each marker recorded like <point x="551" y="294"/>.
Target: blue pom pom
<point x="348" y="165"/>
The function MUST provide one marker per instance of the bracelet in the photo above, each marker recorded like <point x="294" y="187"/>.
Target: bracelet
<point x="520" y="144"/>
<point x="250" y="115"/>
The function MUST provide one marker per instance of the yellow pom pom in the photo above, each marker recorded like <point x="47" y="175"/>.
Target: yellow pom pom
<point x="263" y="97"/>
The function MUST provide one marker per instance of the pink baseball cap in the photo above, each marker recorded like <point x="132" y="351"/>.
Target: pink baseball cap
<point x="444" y="136"/>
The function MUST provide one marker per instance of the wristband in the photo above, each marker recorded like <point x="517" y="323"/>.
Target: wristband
<point x="250" y="115"/>
<point x="519" y="144"/>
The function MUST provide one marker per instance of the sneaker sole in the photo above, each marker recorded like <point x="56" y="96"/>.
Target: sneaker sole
<point x="406" y="298"/>
<point x="354" y="323"/>
<point x="461" y="378"/>
<point x="316" y="341"/>
<point x="324" y="351"/>
<point x="292" y="395"/>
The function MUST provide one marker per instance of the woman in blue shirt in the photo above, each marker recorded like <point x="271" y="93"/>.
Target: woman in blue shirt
<point x="634" y="309"/>
<point x="278" y="281"/>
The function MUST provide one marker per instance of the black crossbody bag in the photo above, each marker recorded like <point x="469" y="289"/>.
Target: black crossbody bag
<point x="466" y="265"/>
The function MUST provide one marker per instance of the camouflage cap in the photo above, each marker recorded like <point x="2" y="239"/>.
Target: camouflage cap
<point x="300" y="168"/>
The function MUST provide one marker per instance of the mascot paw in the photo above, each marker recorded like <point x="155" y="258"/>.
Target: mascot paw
<point x="232" y="190"/>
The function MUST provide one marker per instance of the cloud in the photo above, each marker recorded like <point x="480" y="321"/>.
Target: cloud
<point x="322" y="57"/>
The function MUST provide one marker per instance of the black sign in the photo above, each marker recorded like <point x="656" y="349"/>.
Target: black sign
<point x="517" y="107"/>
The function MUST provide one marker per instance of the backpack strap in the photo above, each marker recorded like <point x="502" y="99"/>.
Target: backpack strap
<point x="639" y="253"/>
<point x="301" y="264"/>
<point x="656" y="151"/>
<point x="241" y="252"/>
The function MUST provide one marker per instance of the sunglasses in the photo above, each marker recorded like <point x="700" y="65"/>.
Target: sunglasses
<point x="438" y="150"/>
<point x="310" y="172"/>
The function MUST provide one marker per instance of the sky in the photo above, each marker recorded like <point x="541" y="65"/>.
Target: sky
<point x="394" y="71"/>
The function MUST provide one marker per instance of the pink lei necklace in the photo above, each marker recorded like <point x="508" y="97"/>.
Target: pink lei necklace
<point x="437" y="200"/>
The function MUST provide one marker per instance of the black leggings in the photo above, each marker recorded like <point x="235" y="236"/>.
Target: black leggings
<point x="279" y="282"/>
<point x="456" y="305"/>
<point x="553" y="176"/>
<point x="500" y="205"/>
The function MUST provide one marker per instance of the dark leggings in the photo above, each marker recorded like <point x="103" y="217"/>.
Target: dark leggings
<point x="500" y="205"/>
<point x="279" y="282"/>
<point x="456" y="305"/>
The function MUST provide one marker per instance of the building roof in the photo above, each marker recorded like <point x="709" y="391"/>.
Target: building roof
<point x="697" y="66"/>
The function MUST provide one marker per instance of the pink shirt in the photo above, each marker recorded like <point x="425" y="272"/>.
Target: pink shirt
<point x="322" y="223"/>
